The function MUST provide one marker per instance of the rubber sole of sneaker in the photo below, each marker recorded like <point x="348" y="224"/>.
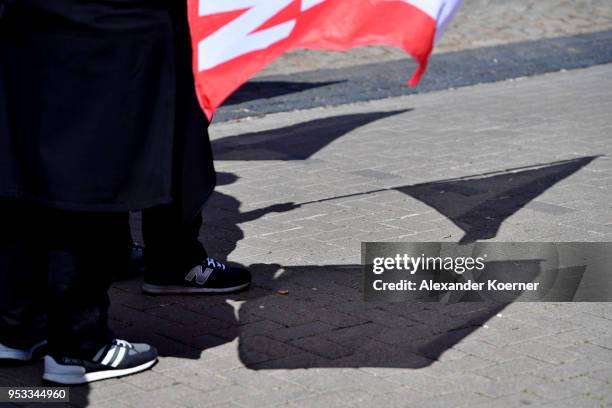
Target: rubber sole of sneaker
<point x="83" y="378"/>
<point x="182" y="290"/>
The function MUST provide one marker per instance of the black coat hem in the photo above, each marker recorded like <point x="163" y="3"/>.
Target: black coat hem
<point x="89" y="207"/>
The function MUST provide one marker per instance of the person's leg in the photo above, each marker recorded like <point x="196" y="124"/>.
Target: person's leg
<point x="22" y="282"/>
<point x="170" y="236"/>
<point x="83" y="250"/>
<point x="172" y="244"/>
<point x="176" y="261"/>
<point x="133" y="262"/>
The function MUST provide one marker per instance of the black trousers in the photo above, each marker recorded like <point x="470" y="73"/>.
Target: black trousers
<point x="172" y="244"/>
<point x="54" y="276"/>
<point x="56" y="268"/>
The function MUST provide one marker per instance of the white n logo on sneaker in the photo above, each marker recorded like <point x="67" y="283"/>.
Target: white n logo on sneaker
<point x="201" y="275"/>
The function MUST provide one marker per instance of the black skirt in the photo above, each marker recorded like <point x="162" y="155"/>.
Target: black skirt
<point x="97" y="106"/>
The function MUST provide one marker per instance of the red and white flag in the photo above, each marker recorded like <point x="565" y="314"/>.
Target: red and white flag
<point x="234" y="39"/>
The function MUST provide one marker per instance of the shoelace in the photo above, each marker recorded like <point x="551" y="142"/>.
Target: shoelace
<point x="123" y="343"/>
<point x="214" y="263"/>
<point x="105" y="354"/>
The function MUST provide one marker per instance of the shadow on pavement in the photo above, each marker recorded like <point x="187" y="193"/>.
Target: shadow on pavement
<point x="222" y="228"/>
<point x="255" y="90"/>
<point x="295" y="142"/>
<point x="480" y="204"/>
<point x="323" y="322"/>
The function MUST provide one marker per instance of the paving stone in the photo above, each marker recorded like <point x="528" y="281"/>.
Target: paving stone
<point x="578" y="401"/>
<point x="463" y="399"/>
<point x="509" y="368"/>
<point x="336" y="398"/>
<point x="516" y="400"/>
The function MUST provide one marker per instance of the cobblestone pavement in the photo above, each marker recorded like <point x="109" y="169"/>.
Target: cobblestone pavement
<point x="525" y="160"/>
<point x="479" y="23"/>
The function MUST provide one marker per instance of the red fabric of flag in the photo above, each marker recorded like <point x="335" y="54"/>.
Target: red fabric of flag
<point x="234" y="39"/>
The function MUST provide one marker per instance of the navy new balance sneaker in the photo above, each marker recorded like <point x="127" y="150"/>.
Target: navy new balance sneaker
<point x="211" y="276"/>
<point x="117" y="359"/>
<point x="25" y="354"/>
